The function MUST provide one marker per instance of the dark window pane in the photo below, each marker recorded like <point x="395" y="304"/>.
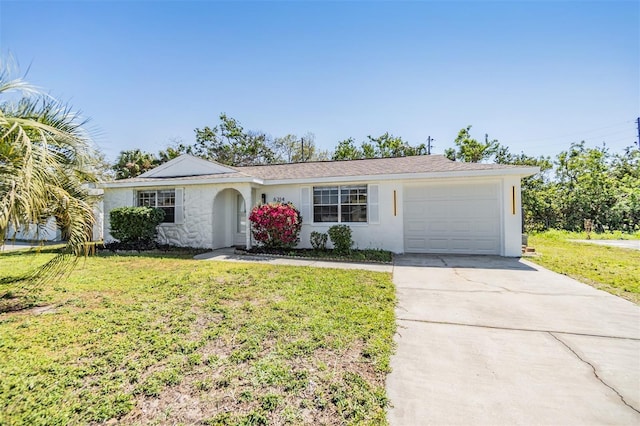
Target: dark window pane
<point x="353" y="213"/>
<point x="325" y="214"/>
<point x="146" y="199"/>
<point x="169" y="214"/>
<point x="166" y="198"/>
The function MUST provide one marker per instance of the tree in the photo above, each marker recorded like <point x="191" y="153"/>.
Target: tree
<point x="347" y="150"/>
<point x="587" y="188"/>
<point x="175" y="149"/>
<point x="470" y="150"/>
<point x="539" y="199"/>
<point x="387" y="145"/>
<point x="626" y="171"/>
<point x="291" y="149"/>
<point x="46" y="161"/>
<point x="383" y="146"/>
<point x="132" y="163"/>
<point x="229" y="144"/>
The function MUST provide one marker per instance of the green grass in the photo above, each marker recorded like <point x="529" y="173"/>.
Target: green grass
<point x="612" y="269"/>
<point x="165" y="339"/>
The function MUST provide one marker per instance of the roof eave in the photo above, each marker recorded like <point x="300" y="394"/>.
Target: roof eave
<point x="515" y="171"/>
<point x="178" y="182"/>
<point x="519" y="171"/>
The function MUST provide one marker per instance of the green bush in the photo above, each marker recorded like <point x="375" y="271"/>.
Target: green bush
<point x="340" y="236"/>
<point x="319" y="240"/>
<point x="135" y="225"/>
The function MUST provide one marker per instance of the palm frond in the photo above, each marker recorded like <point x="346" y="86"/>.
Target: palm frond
<point x="46" y="159"/>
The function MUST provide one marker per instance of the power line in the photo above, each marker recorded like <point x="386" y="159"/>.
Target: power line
<point x="583" y="132"/>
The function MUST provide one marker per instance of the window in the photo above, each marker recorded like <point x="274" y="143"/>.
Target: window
<point x="164" y="199"/>
<point x="241" y="219"/>
<point x="340" y="203"/>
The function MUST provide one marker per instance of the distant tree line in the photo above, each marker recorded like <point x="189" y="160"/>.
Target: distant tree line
<point x="229" y="143"/>
<point x="579" y="183"/>
<point x="226" y="143"/>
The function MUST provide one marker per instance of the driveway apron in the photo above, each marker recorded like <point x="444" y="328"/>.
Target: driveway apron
<point x="489" y="340"/>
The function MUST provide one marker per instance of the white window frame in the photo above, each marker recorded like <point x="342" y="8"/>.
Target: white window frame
<point x="339" y="202"/>
<point x="153" y="202"/>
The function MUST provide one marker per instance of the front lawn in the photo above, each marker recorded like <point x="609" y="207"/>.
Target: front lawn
<point x="611" y="269"/>
<point x="168" y="340"/>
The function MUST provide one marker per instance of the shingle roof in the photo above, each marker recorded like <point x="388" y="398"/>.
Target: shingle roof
<point x="336" y="169"/>
<point x="366" y="167"/>
<point x="224" y="176"/>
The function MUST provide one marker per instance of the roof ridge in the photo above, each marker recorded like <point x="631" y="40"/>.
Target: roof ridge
<point x="344" y="160"/>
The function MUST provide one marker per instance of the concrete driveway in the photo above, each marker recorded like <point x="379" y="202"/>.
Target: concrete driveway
<point x="489" y="340"/>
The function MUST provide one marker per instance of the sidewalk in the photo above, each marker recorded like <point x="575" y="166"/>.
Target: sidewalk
<point x="24" y="245"/>
<point x="229" y="255"/>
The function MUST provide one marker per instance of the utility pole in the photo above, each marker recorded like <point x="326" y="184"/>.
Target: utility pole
<point x="429" y="145"/>
<point x="302" y="151"/>
<point x="638" y="122"/>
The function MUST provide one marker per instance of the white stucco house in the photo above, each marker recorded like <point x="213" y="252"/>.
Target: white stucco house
<point x="50" y="231"/>
<point x="421" y="204"/>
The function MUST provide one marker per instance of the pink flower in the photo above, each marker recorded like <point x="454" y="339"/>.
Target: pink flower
<point x="276" y="224"/>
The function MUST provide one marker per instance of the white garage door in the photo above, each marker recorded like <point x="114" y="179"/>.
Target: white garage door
<point x="452" y="218"/>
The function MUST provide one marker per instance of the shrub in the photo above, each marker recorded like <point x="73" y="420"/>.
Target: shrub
<point x="341" y="238"/>
<point x="319" y="240"/>
<point x="276" y="225"/>
<point x="135" y="225"/>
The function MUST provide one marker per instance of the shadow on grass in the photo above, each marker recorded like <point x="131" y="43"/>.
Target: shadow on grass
<point x="33" y="250"/>
<point x="15" y="300"/>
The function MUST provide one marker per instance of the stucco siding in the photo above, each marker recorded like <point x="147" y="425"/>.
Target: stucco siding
<point x="47" y="231"/>
<point x="114" y="198"/>
<point x="512" y="217"/>
<point x="197" y="229"/>
<point x="211" y="214"/>
<point x="386" y="234"/>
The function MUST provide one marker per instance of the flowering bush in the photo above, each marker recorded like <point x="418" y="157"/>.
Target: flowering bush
<point x="276" y="225"/>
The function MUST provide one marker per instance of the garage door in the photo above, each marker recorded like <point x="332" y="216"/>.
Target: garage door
<point x="452" y="218"/>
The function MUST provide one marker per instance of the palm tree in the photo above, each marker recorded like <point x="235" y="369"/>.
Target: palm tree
<point x="134" y="162"/>
<point x="46" y="162"/>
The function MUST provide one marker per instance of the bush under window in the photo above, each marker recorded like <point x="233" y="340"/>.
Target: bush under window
<point x="135" y="226"/>
<point x="276" y="225"/>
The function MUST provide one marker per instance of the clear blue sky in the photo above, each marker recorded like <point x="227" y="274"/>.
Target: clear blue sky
<point x="534" y="75"/>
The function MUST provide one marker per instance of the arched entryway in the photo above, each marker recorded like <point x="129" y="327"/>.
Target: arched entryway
<point x="229" y="219"/>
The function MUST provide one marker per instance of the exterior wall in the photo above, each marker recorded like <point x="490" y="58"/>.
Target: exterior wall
<point x="49" y="230"/>
<point x="386" y="234"/>
<point x="512" y="217"/>
<point x="209" y="220"/>
<point x="46" y="232"/>
<point x="114" y="198"/>
<point x="197" y="228"/>
<point x="98" y="214"/>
